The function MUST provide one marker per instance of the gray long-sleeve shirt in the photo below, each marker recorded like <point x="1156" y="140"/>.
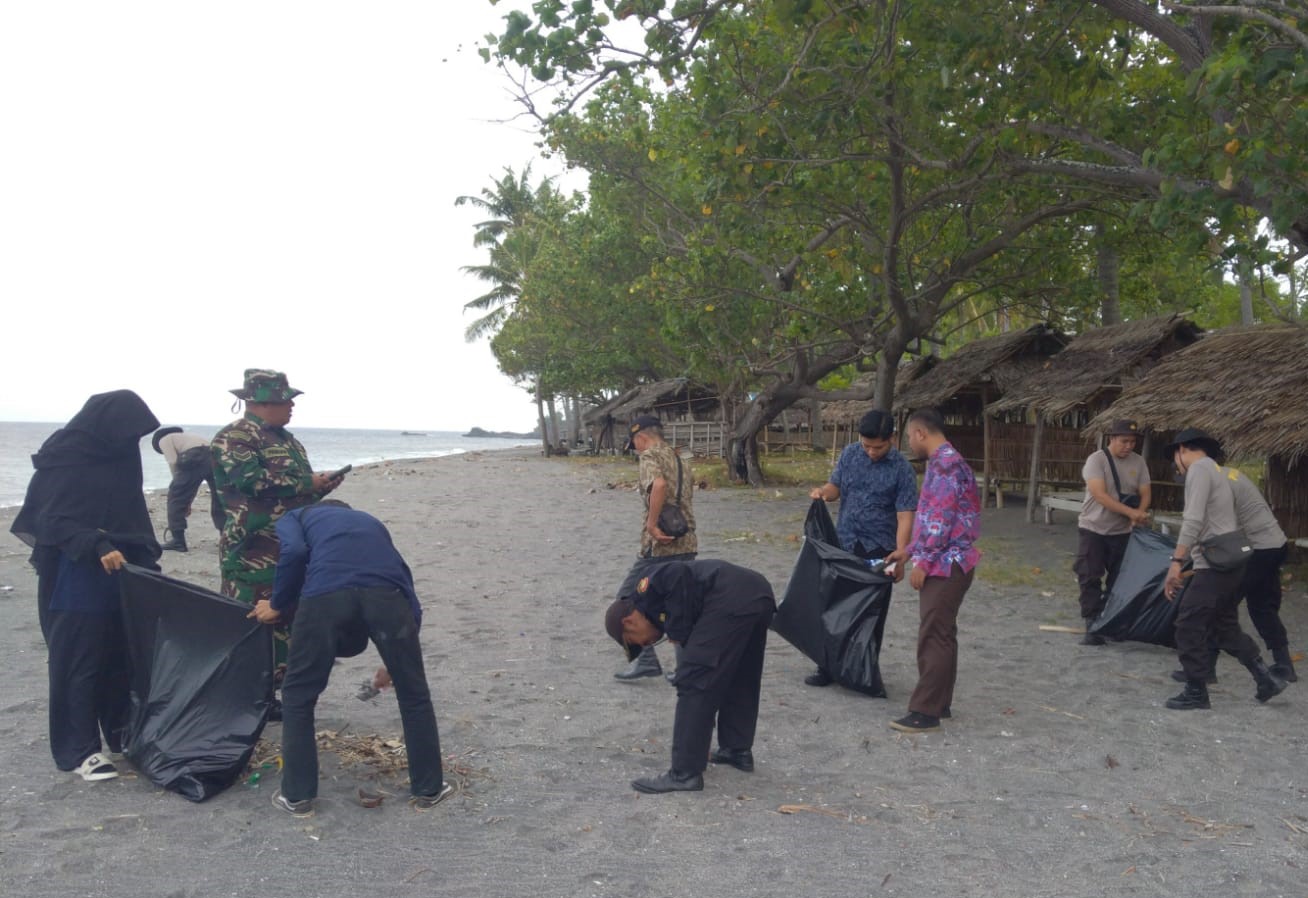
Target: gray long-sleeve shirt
<point x="1209" y="508"/>
<point x="1253" y="513"/>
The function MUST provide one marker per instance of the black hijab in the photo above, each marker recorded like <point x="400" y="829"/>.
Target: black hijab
<point x="87" y="490"/>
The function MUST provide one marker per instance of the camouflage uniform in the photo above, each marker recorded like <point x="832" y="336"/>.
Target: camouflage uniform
<point x="261" y="472"/>
<point x="661" y="461"/>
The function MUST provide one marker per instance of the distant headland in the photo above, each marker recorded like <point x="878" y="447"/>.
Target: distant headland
<point x="502" y="434"/>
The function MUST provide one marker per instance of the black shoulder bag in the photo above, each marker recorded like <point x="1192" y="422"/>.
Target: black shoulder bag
<point x="1132" y="501"/>
<point x="672" y="520"/>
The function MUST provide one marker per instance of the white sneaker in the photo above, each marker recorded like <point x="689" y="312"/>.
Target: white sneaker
<point x="97" y="767"/>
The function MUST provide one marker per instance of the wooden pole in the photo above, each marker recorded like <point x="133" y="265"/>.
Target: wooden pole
<point x="985" y="444"/>
<point x="1033" y="487"/>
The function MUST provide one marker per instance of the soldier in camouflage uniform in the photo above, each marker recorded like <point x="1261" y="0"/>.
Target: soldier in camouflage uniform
<point x="261" y="472"/>
<point x="659" y="477"/>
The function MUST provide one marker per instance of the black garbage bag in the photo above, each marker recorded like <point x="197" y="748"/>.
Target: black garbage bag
<point x="834" y="608"/>
<point x="202" y="679"/>
<point x="1136" y="608"/>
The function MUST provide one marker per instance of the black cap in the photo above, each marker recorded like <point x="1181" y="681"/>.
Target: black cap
<point x="1195" y="437"/>
<point x="160" y="434"/>
<point x="1124" y="427"/>
<point x="639" y="423"/>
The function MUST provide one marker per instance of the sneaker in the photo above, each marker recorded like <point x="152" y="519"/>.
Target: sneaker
<point x="427" y="802"/>
<point x="294" y="808"/>
<point x="97" y="767"/>
<point x="916" y="722"/>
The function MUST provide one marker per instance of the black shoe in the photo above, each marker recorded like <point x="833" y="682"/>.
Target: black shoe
<point x="1092" y="639"/>
<point x="740" y="758"/>
<point x="427" y="802"/>
<point x="818" y="678"/>
<point x="672" y="781"/>
<point x="275" y="711"/>
<point x="1283" y="666"/>
<point x="646" y="664"/>
<point x="1268" y="684"/>
<point x="302" y="808"/>
<point x="916" y="722"/>
<point x="1180" y="677"/>
<point x="1194" y="697"/>
<point x="176" y="544"/>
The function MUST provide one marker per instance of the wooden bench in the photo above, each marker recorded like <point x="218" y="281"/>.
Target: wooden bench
<point x="1165" y="523"/>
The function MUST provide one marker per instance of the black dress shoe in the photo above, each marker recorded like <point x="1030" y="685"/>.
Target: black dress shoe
<point x="740" y="758"/>
<point x="646" y="664"/>
<point x="818" y="678"/>
<point x="672" y="781"/>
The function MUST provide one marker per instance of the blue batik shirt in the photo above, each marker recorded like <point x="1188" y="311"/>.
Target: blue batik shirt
<point x="872" y="493"/>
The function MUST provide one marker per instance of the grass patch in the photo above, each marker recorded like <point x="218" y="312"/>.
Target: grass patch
<point x="1002" y="565"/>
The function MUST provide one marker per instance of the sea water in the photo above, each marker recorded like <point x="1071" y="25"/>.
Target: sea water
<point x="328" y="448"/>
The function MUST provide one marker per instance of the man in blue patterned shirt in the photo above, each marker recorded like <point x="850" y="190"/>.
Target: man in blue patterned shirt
<point x="877" y="490"/>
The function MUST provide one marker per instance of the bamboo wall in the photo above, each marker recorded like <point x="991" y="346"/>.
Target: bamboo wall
<point x="1286" y="489"/>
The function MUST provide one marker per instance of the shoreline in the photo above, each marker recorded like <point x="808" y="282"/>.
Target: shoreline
<point x="1061" y="774"/>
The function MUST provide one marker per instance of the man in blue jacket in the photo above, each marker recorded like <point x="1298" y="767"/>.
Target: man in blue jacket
<point x="344" y="583"/>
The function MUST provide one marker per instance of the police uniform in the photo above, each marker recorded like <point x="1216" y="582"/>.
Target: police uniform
<point x="719" y="613"/>
<point x="261" y="472"/>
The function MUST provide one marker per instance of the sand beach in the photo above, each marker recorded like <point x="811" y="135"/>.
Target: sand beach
<point x="1061" y="773"/>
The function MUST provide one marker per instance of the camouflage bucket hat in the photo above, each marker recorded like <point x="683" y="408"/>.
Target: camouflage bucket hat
<point x="263" y="385"/>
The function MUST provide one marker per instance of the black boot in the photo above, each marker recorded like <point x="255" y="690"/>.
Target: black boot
<point x="1193" y="697"/>
<point x="1282" y="667"/>
<point x="177" y="543"/>
<point x="646" y="664"/>
<point x="1268" y="684"/>
<point x="1091" y="638"/>
<point x="672" y="781"/>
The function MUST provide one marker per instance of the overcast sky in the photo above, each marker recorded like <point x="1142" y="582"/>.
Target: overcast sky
<point x="191" y="189"/>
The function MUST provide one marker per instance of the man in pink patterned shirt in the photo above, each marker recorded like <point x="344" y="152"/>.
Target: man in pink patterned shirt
<point x="944" y="558"/>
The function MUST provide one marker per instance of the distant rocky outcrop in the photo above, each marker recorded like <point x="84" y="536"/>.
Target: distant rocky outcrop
<point x="502" y="434"/>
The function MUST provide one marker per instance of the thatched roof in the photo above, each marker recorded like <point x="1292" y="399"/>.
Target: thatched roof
<point x="843" y="412"/>
<point x="1103" y="360"/>
<point x="1244" y="386"/>
<point x="652" y="398"/>
<point x="1002" y="361"/>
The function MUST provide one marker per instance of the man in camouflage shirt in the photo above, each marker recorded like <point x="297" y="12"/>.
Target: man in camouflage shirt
<point x="261" y="472"/>
<point x="659" y="477"/>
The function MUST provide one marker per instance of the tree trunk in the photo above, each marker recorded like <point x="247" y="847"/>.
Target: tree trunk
<point x="540" y="422"/>
<point x="554" y="420"/>
<point x="1109" y="267"/>
<point x="574" y="419"/>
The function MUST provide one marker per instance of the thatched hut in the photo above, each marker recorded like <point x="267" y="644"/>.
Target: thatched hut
<point x="1246" y="387"/>
<point x="963" y="385"/>
<point x="1051" y="407"/>
<point x="674" y="400"/>
<point x="841" y="416"/>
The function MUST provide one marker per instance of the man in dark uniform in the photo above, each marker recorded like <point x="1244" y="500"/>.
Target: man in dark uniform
<point x="718" y="613"/>
<point x="190" y="461"/>
<point x="339" y="568"/>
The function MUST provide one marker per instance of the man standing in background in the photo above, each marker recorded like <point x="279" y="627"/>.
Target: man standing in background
<point x="664" y="480"/>
<point x="1116" y="499"/>
<point x="191" y="464"/>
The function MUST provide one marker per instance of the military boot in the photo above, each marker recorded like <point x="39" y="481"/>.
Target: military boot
<point x="177" y="543"/>
<point x="1283" y="666"/>
<point x="1268" y="684"/>
<point x="1192" y="698"/>
<point x="646" y="664"/>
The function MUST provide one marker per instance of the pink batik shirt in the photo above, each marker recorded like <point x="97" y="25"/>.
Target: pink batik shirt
<point x="948" y="518"/>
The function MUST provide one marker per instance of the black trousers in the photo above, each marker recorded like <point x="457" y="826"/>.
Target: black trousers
<point x="641" y="569"/>
<point x="1262" y="587"/>
<point x="89" y="684"/>
<point x="1210" y="613"/>
<point x="1096" y="556"/>
<point x="327" y="625"/>
<point x="719" y="672"/>
<point x="194" y="467"/>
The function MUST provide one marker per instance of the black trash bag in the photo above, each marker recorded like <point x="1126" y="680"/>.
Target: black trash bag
<point x="834" y="609"/>
<point x="202" y="680"/>
<point x="1136" y="609"/>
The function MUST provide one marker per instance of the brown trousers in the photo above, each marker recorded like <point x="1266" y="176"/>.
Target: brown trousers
<point x="937" y="641"/>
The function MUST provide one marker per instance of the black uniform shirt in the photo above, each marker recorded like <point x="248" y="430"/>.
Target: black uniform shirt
<point x="675" y="593"/>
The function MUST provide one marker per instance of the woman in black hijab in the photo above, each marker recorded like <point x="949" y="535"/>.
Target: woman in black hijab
<point x="85" y="517"/>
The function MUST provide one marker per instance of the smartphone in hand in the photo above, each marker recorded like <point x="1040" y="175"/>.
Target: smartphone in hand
<point x="337" y="475"/>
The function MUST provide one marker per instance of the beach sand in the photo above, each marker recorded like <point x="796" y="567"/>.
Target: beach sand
<point x="1061" y="773"/>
